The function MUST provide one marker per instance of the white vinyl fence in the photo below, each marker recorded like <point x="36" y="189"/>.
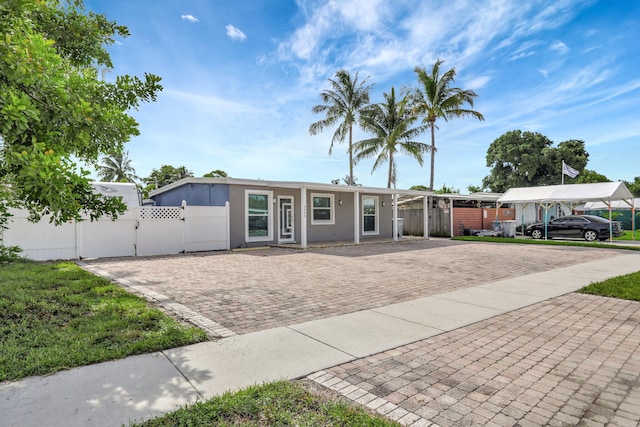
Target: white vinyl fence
<point x="146" y="230"/>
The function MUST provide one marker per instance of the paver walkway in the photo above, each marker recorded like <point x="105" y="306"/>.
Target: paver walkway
<point x="573" y="360"/>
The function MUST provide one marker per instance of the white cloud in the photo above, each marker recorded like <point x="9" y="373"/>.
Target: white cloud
<point x="190" y="18"/>
<point x="524" y="50"/>
<point x="477" y="82"/>
<point x="235" y="33"/>
<point x="559" y="47"/>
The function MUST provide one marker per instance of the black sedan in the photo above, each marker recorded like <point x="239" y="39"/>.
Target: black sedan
<point x="588" y="227"/>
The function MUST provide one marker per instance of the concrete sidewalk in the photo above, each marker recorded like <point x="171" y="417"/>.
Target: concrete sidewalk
<point x="142" y="387"/>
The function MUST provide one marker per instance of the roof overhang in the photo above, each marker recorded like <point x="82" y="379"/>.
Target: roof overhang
<point x="289" y="184"/>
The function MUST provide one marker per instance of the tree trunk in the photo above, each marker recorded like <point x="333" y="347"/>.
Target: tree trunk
<point x="351" y="182"/>
<point x="433" y="154"/>
<point x="390" y="170"/>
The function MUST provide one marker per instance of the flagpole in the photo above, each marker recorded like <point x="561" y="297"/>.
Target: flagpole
<point x="562" y="172"/>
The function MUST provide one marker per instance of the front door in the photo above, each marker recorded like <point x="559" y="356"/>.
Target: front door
<point x="286" y="233"/>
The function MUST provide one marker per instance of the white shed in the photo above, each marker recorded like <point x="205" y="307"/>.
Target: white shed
<point x="127" y="190"/>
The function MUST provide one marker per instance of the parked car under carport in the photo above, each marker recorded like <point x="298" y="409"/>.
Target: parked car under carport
<point x="587" y="227"/>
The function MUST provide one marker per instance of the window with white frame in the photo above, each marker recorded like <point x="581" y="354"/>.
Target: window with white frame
<point x="322" y="209"/>
<point x="258" y="208"/>
<point x="370" y="215"/>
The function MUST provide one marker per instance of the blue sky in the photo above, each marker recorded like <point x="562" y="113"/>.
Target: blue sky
<point x="240" y="79"/>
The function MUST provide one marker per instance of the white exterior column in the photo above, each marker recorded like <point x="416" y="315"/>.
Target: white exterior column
<point x="356" y="217"/>
<point x="425" y="209"/>
<point x="394" y="200"/>
<point x="303" y="217"/>
<point x="451" y="215"/>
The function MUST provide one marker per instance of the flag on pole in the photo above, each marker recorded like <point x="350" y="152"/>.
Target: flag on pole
<point x="568" y="170"/>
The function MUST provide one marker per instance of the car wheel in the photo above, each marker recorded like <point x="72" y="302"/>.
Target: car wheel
<point x="536" y="234"/>
<point x="590" y="235"/>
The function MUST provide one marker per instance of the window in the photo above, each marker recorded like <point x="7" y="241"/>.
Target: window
<point x="369" y="214"/>
<point x="258" y="215"/>
<point x="322" y="209"/>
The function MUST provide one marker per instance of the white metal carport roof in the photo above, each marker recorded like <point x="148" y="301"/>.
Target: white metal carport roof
<point x="571" y="195"/>
<point x="618" y="204"/>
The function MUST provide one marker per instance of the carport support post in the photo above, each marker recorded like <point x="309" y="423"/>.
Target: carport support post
<point x="633" y="218"/>
<point x="303" y="217"/>
<point x="610" y="223"/>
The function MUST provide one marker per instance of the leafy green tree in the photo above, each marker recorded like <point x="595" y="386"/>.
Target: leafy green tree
<point x="588" y="176"/>
<point x="346" y="180"/>
<point x="634" y="186"/>
<point x="390" y="123"/>
<point x="447" y="190"/>
<point x="475" y="189"/>
<point x="217" y="173"/>
<point x="341" y="106"/>
<point x="54" y="108"/>
<point x="526" y="159"/>
<point x="117" y="168"/>
<point x="435" y="98"/>
<point x="419" y="187"/>
<point x="165" y="175"/>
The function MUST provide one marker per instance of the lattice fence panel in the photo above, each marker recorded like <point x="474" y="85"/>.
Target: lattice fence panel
<point x="160" y="213"/>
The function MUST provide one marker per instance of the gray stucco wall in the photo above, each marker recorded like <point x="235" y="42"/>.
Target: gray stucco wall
<point x="344" y="219"/>
<point x="195" y="195"/>
<point x="343" y="228"/>
<point x="237" y="214"/>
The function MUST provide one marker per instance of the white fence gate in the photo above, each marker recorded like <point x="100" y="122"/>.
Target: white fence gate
<point x="139" y="231"/>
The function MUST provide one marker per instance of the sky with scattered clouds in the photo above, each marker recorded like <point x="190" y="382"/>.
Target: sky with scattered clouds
<point x="241" y="77"/>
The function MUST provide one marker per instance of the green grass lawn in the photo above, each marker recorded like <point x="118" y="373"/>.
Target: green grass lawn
<point x="282" y="403"/>
<point x="530" y="241"/>
<point x="624" y="287"/>
<point x="628" y="235"/>
<point x="56" y="316"/>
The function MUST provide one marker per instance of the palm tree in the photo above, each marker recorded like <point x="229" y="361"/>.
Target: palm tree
<point x="390" y="124"/>
<point x="117" y="168"/>
<point x="435" y="99"/>
<point x="342" y="106"/>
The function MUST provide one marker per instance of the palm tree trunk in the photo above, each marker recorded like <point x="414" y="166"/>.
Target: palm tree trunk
<point x="390" y="170"/>
<point x="351" y="155"/>
<point x="433" y="154"/>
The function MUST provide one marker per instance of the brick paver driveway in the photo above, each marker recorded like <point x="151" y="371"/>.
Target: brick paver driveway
<point x="571" y="360"/>
<point x="262" y="289"/>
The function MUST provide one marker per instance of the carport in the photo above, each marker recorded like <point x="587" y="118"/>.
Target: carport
<point x="572" y="195"/>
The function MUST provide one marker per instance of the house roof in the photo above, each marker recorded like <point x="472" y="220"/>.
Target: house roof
<point x="289" y="184"/>
<point x="574" y="193"/>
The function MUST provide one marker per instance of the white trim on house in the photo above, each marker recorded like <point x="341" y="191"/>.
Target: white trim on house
<point x="286" y="217"/>
<point x="376" y="215"/>
<point x="290" y="184"/>
<point x="269" y="216"/>
<point x="331" y="208"/>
